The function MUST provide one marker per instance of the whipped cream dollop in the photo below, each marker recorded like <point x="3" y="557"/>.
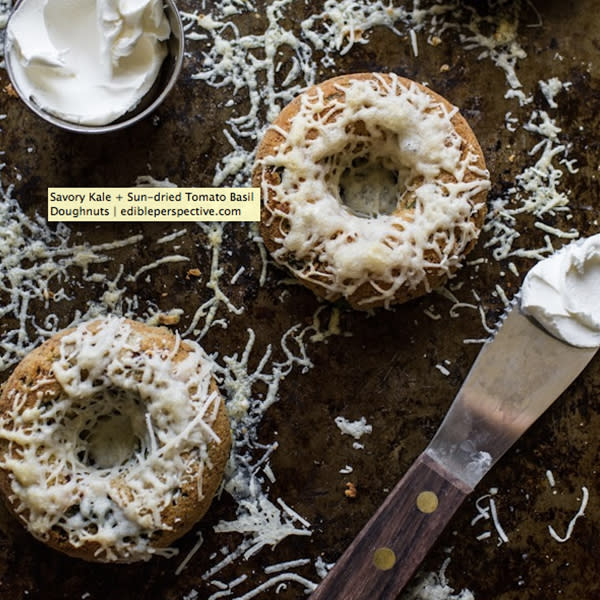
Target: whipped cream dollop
<point x="562" y="293"/>
<point x="87" y="61"/>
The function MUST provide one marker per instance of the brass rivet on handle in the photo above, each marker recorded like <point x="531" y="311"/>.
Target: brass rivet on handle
<point x="384" y="559"/>
<point x="427" y="502"/>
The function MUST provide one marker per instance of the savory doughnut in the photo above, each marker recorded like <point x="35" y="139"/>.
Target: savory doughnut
<point x="373" y="189"/>
<point x="113" y="440"/>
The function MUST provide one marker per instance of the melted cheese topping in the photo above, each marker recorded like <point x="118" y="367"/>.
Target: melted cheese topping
<point x="101" y="460"/>
<point x="332" y="148"/>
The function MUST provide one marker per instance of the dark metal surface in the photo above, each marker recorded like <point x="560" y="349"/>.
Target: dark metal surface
<point x="385" y="369"/>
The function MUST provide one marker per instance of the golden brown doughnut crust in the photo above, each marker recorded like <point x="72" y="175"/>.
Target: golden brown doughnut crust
<point x="34" y="374"/>
<point x="271" y="226"/>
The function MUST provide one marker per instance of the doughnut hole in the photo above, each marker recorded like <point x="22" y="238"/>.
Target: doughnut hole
<point x="368" y="183"/>
<point x="368" y="189"/>
<point x="110" y="429"/>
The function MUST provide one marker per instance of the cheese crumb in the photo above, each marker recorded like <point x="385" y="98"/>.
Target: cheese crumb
<point x="354" y="428"/>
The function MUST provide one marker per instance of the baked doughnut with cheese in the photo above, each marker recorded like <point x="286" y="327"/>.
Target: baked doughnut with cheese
<point x="113" y="440"/>
<point x="373" y="188"/>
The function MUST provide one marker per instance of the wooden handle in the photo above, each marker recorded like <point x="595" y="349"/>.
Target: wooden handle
<point x="390" y="547"/>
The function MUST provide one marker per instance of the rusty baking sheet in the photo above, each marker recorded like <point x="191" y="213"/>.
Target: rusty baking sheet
<point x="398" y="369"/>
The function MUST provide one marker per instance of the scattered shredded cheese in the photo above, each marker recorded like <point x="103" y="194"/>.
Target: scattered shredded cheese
<point x="571" y="525"/>
<point x="435" y="586"/>
<point x="442" y="369"/>
<point x="184" y="563"/>
<point x="489" y="512"/>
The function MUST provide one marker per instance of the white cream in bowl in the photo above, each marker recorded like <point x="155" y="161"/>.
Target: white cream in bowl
<point x="87" y="62"/>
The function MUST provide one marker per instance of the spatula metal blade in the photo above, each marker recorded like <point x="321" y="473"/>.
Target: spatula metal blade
<point x="517" y="375"/>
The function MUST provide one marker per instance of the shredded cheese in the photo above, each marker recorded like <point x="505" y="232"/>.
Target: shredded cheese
<point x="36" y="264"/>
<point x="489" y="512"/>
<point x="356" y="429"/>
<point x="435" y="586"/>
<point x="264" y="522"/>
<point x="580" y="513"/>
<point x="537" y="192"/>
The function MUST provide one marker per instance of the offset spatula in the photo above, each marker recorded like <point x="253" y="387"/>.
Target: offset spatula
<point x="515" y="377"/>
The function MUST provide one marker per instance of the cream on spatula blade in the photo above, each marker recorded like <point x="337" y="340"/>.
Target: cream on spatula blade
<point x="543" y="342"/>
